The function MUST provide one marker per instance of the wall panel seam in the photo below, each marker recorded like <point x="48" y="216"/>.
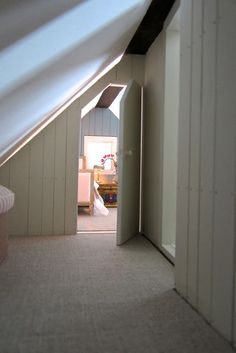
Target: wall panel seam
<point x="233" y="325"/>
<point x="214" y="160"/>
<point x="54" y="180"/>
<point x="102" y="118"/>
<point x="234" y="259"/>
<point x="200" y="152"/>
<point x="66" y="171"/>
<point x="234" y="247"/>
<point x="43" y="181"/>
<point x="89" y="122"/>
<point x="29" y="185"/>
<point x="189" y="144"/>
<point x="110" y="123"/>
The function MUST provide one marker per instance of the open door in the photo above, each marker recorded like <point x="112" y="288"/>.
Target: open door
<point x="129" y="163"/>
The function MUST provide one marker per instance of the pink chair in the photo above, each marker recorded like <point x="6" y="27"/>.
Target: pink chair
<point x="86" y="188"/>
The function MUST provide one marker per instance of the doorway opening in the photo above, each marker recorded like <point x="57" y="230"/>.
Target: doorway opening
<point x="97" y="174"/>
<point x="170" y="135"/>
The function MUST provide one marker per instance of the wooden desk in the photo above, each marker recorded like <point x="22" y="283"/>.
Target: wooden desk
<point x="109" y="194"/>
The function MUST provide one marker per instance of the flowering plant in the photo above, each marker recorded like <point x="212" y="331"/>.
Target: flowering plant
<point x="107" y="157"/>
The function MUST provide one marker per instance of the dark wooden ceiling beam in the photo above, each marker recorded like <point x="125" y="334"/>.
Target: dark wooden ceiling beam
<point x="108" y="96"/>
<point x="150" y="26"/>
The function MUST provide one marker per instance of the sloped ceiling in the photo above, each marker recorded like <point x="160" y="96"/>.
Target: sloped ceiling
<point x="49" y="51"/>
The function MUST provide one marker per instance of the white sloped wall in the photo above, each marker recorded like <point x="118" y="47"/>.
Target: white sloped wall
<point x="205" y="244"/>
<point x="65" y="49"/>
<point x="43" y="175"/>
<point x="206" y="178"/>
<point x="153" y="139"/>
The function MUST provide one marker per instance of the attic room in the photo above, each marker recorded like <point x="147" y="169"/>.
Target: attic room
<point x="169" y="285"/>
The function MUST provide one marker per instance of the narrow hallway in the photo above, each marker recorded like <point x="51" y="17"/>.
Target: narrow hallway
<point x="82" y="293"/>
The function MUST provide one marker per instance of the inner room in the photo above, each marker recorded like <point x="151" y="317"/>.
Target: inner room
<point x="98" y="162"/>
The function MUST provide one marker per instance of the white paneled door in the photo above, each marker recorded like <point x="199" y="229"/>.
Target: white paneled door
<point x="129" y="163"/>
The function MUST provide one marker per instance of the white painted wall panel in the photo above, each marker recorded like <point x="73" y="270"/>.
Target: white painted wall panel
<point x="207" y="157"/>
<point x="40" y="178"/>
<point x="211" y="218"/>
<point x="19" y="184"/>
<point x="138" y="68"/>
<point x="206" y="224"/>
<point x="98" y="121"/>
<point x="92" y="122"/>
<point x="73" y="122"/>
<point x="223" y="264"/>
<point x="36" y="186"/>
<point x="170" y="136"/>
<point x="106" y="122"/>
<point x="184" y="147"/>
<point x="153" y="139"/>
<point x="84" y="132"/>
<point x="124" y="70"/>
<point x="48" y="179"/>
<point x="60" y="175"/>
<point x="5" y="175"/>
<point x="114" y="125"/>
<point x="224" y="232"/>
<point x="195" y="133"/>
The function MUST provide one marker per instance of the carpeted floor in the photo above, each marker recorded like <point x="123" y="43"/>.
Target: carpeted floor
<point x="83" y="294"/>
<point x="88" y="222"/>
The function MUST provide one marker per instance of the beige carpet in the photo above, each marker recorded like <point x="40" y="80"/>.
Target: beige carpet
<point x="82" y="294"/>
<point x="87" y="222"/>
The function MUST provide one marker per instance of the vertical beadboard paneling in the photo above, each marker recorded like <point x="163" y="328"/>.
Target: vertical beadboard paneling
<point x="36" y="185"/>
<point x="98" y="121"/>
<point x="138" y="68"/>
<point x="207" y="159"/>
<point x="114" y="125"/>
<point x="183" y="148"/>
<point x="80" y="141"/>
<point x="106" y="121"/>
<point x="153" y="139"/>
<point x="59" y="171"/>
<point x="223" y="245"/>
<point x="211" y="213"/>
<point x="223" y="260"/>
<point x="195" y="152"/>
<point x="124" y="69"/>
<point x="73" y="120"/>
<point x="5" y="175"/>
<point x="19" y="184"/>
<point x="84" y="131"/>
<point x="48" y="179"/>
<point x="92" y="122"/>
<point x="232" y="16"/>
